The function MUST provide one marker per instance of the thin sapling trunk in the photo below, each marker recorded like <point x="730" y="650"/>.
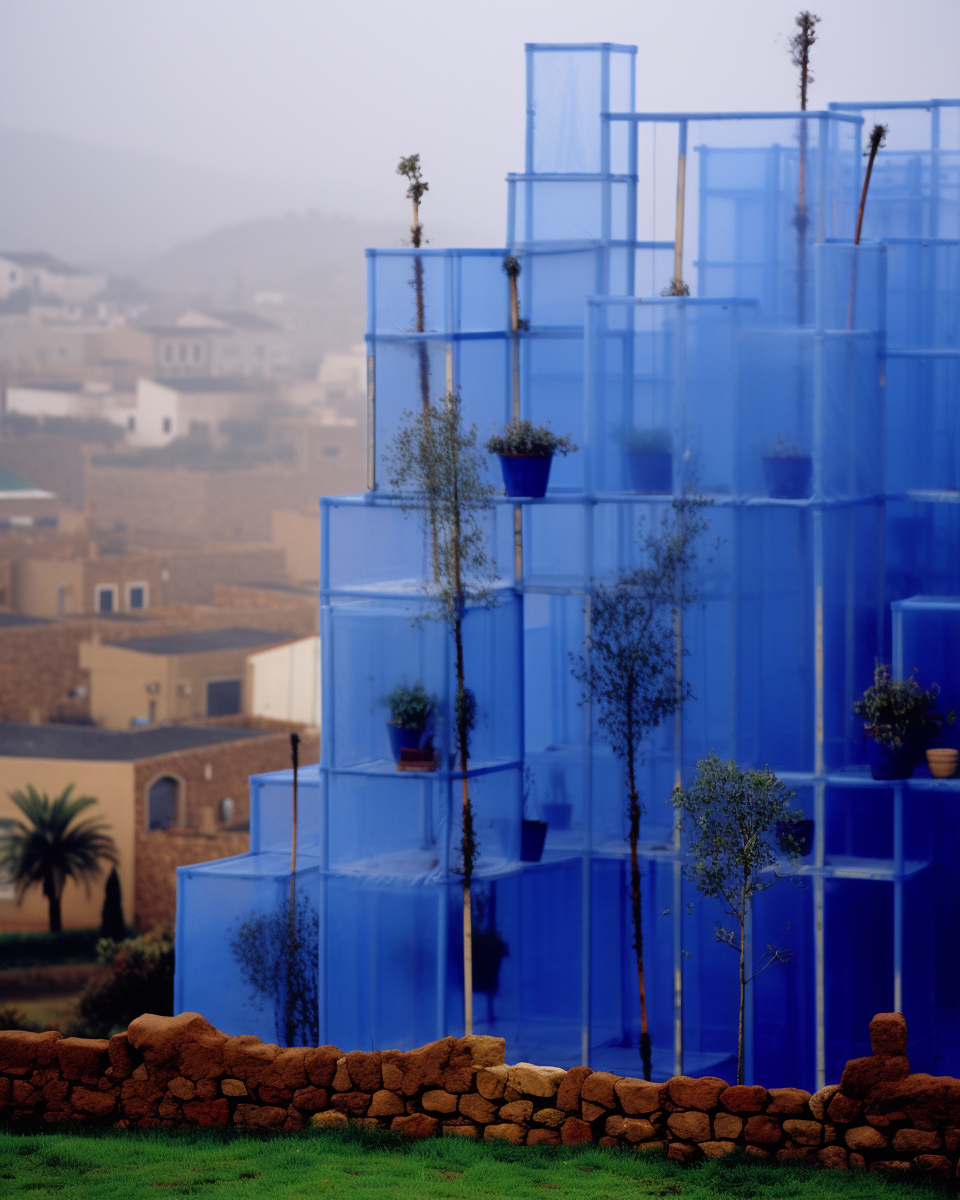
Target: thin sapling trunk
<point x="800" y="46"/>
<point x="877" y="135"/>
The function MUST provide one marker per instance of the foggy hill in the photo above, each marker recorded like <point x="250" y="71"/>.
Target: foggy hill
<point x="95" y="205"/>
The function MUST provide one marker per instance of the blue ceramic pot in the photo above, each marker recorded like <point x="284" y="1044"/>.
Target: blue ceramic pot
<point x="526" y="474"/>
<point x="532" y="836"/>
<point x="407" y="739"/>
<point x="788" y="478"/>
<point x="891" y="762"/>
<point x="650" y="474"/>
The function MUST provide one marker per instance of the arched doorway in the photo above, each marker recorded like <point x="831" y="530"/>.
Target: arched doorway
<point x="162" y="801"/>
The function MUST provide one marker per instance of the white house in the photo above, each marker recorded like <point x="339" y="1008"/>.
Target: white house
<point x="221" y="344"/>
<point x="48" y="276"/>
<point x="283" y="682"/>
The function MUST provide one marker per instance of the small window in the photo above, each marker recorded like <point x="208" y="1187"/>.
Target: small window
<point x="106" y="599"/>
<point x="197" y="353"/>
<point x="226" y="810"/>
<point x="136" y="595"/>
<point x="7" y="891"/>
<point x="223" y="697"/>
<point x="331" y="451"/>
<point x="61" y="600"/>
<point x="168" y="353"/>
<point x="131" y="423"/>
<point x="167" y="425"/>
<point x="162" y="803"/>
<point x="183" y="352"/>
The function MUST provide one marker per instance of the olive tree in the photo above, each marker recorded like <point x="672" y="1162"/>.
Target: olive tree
<point x="730" y="818"/>
<point x="630" y="669"/>
<point x="440" y="473"/>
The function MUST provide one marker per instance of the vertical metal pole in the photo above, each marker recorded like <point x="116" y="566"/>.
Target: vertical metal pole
<point x="898" y="897"/>
<point x="371" y="420"/>
<point x="819" y="764"/>
<point x="681" y="192"/>
<point x="586" y="860"/>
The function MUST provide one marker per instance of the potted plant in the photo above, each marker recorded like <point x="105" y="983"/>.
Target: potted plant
<point x="409" y="724"/>
<point x="897" y="715"/>
<point x="533" y="833"/>
<point x="787" y="470"/>
<point x="649" y="454"/>
<point x="526" y="452"/>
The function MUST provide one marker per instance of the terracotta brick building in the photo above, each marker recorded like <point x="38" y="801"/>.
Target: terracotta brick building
<point x="172" y="795"/>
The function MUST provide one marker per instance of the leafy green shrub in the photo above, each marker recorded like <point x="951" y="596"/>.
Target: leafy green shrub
<point x="15" y="1018"/>
<point x="896" y="711"/>
<point x="141" y="981"/>
<point x="23" y="950"/>
<point x="410" y="707"/>
<point x="523" y="437"/>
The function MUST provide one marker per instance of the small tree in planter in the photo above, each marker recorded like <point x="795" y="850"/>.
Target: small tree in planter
<point x="526" y="452"/>
<point x="801" y="44"/>
<point x="440" y="471"/>
<point x="738" y="824"/>
<point x="897" y="715"/>
<point x="630" y="667"/>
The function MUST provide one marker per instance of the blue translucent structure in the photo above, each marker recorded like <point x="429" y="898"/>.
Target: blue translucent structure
<point x="852" y="354"/>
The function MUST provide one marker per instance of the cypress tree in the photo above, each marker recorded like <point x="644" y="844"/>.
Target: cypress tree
<point x="111" y="922"/>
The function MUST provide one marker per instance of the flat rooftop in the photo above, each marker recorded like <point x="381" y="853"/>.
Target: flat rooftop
<point x="107" y="745"/>
<point x="235" y="638"/>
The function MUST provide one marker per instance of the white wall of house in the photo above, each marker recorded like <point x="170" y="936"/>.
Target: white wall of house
<point x="44" y="402"/>
<point x="283" y="682"/>
<point x="155" y="414"/>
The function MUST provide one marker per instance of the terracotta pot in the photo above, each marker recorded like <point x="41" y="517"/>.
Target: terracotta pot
<point x="942" y="763"/>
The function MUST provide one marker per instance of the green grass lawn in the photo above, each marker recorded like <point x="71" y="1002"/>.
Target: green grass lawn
<point x="116" y="1164"/>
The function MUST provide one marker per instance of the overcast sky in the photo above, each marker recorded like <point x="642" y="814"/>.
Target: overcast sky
<point x="324" y="97"/>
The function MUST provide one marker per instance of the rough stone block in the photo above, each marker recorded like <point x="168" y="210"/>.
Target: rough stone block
<point x="865" y="1137"/>
<point x="159" y="1039"/>
<point x="169" y="1108"/>
<point x="355" y="1104"/>
<point x="408" y="1071"/>
<point x="439" y="1101"/>
<point x="342" y="1081"/>
<point x="681" y="1152"/>
<point x="233" y="1087"/>
<point x="702" y="1094"/>
<point x="294" y="1121"/>
<point x="536" y="1081"/>
<point x="311" y="1099"/>
<point x="123" y="1062"/>
<point x="888" y="1035"/>
<point x="207" y="1112"/>
<point x="726" y="1126"/>
<point x="505" y="1133"/>
<point x="82" y="1058"/>
<point x="843" y="1109"/>
<point x="892" y="1165"/>
<point x="797" y="1154"/>
<point x="248" y="1059"/>
<point x="862" y="1075"/>
<point x="331" y="1119"/>
<point x="485" y="1051"/>
<point x="491" y="1081"/>
<point x="820" y="1100"/>
<point x="758" y="1152"/>
<point x="690" y="1126"/>
<point x="717" y="1149"/>
<point x="478" y="1109"/>
<point x="320" y="1063"/>
<point x="517" y="1112"/>
<point x="591" y="1112"/>
<point x="183" y="1089"/>
<point x="934" y="1164"/>
<point x="24" y="1094"/>
<point x="385" y="1104"/>
<point x="551" y="1117"/>
<point x="568" y="1093"/>
<point x="543" y="1137"/>
<point x="21" y="1052"/>
<point x="788" y="1101"/>
<point x="465" y="1129"/>
<point x="268" y="1094"/>
<point x="915" y="1141"/>
<point x="762" y="1131"/>
<point x="599" y="1088"/>
<point x="55" y="1093"/>
<point x="416" y="1125"/>
<point x="742" y="1098"/>
<point x="804" y="1133"/>
<point x="364" y="1069"/>
<point x="833" y="1156"/>
<point x="267" y="1115"/>
<point x="140" y="1099"/>
<point x="574" y="1131"/>
<point x="636" y="1129"/>
<point x="638" y="1096"/>
<point x="613" y="1126"/>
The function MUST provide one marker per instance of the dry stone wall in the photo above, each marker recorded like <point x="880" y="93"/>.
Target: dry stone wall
<point x="166" y="1072"/>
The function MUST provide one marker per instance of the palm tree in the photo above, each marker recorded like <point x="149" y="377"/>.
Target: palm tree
<point x="46" y="850"/>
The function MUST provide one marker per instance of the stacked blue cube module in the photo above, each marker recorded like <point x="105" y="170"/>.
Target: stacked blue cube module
<point x="791" y="335"/>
